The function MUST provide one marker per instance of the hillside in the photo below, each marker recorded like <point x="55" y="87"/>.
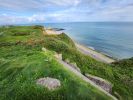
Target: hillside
<point x="22" y="62"/>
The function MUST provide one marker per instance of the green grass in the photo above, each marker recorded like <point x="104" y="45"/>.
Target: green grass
<point x="120" y="74"/>
<point x="22" y="62"/>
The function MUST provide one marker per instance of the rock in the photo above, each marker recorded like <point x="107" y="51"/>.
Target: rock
<point x="46" y="60"/>
<point x="1" y="33"/>
<point x="107" y="86"/>
<point x="58" y="56"/>
<point x="49" y="83"/>
<point x="74" y="65"/>
<point x="44" y="49"/>
<point x="67" y="61"/>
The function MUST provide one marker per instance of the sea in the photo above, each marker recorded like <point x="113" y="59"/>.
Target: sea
<point x="114" y="39"/>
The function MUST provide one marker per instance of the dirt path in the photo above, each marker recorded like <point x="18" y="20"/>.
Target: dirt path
<point x="67" y="66"/>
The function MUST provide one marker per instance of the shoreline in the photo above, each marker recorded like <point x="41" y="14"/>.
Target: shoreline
<point x="53" y="31"/>
<point x="93" y="49"/>
<point x="94" y="54"/>
<point x="84" y="49"/>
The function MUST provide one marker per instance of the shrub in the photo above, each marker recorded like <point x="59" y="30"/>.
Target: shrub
<point x="21" y="34"/>
<point x="38" y="27"/>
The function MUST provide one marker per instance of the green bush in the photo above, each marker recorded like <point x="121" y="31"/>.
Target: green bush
<point x="21" y="34"/>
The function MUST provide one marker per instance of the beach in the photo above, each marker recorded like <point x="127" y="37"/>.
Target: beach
<point x="85" y="50"/>
<point x="94" y="54"/>
<point x="51" y="31"/>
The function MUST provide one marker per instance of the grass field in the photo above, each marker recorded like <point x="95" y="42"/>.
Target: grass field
<point x="22" y="62"/>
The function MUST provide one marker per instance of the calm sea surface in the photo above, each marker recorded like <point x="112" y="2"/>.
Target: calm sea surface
<point x="112" y="38"/>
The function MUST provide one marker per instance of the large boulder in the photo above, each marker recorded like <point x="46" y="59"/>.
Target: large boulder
<point x="104" y="84"/>
<point x="49" y="83"/>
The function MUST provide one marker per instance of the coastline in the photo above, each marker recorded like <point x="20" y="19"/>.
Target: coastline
<point x="53" y="31"/>
<point x="94" y="54"/>
<point x="84" y="49"/>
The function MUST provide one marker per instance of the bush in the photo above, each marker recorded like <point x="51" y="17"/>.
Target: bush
<point x="38" y="27"/>
<point x="1" y="34"/>
<point x="21" y="34"/>
<point x="55" y="45"/>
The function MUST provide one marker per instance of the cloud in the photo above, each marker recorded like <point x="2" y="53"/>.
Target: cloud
<point x="114" y="14"/>
<point x="7" y="19"/>
<point x="36" y="5"/>
<point x="31" y="11"/>
<point x="63" y="2"/>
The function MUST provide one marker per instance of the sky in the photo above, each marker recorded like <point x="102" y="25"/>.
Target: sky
<point x="50" y="11"/>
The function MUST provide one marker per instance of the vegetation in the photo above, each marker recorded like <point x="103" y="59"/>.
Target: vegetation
<point x="117" y="73"/>
<point x="22" y="62"/>
<point x="120" y="74"/>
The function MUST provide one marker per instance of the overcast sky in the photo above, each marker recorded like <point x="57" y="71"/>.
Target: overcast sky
<point x="40" y="11"/>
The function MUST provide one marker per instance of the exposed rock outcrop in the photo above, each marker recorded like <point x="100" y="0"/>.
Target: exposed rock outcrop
<point x="74" y="65"/>
<point x="100" y="82"/>
<point x="49" y="83"/>
<point x="58" y="56"/>
<point x="44" y="49"/>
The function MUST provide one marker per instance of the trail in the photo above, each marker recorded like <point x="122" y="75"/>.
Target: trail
<point x="69" y="67"/>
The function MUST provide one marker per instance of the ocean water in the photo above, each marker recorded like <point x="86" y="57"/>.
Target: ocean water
<point x="112" y="38"/>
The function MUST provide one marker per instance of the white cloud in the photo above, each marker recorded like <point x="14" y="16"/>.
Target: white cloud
<point x="36" y="5"/>
<point x="7" y="19"/>
<point x="36" y="17"/>
<point x="30" y="11"/>
<point x="113" y="14"/>
<point x="64" y="2"/>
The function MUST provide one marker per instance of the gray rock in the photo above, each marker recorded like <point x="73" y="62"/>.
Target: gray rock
<point x="49" y="83"/>
<point x="58" y="56"/>
<point x="67" y="60"/>
<point x="107" y="86"/>
<point x="44" y="49"/>
<point x="74" y="65"/>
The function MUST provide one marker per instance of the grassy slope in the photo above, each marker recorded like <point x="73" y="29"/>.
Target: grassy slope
<point x="22" y="62"/>
<point x="119" y="74"/>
